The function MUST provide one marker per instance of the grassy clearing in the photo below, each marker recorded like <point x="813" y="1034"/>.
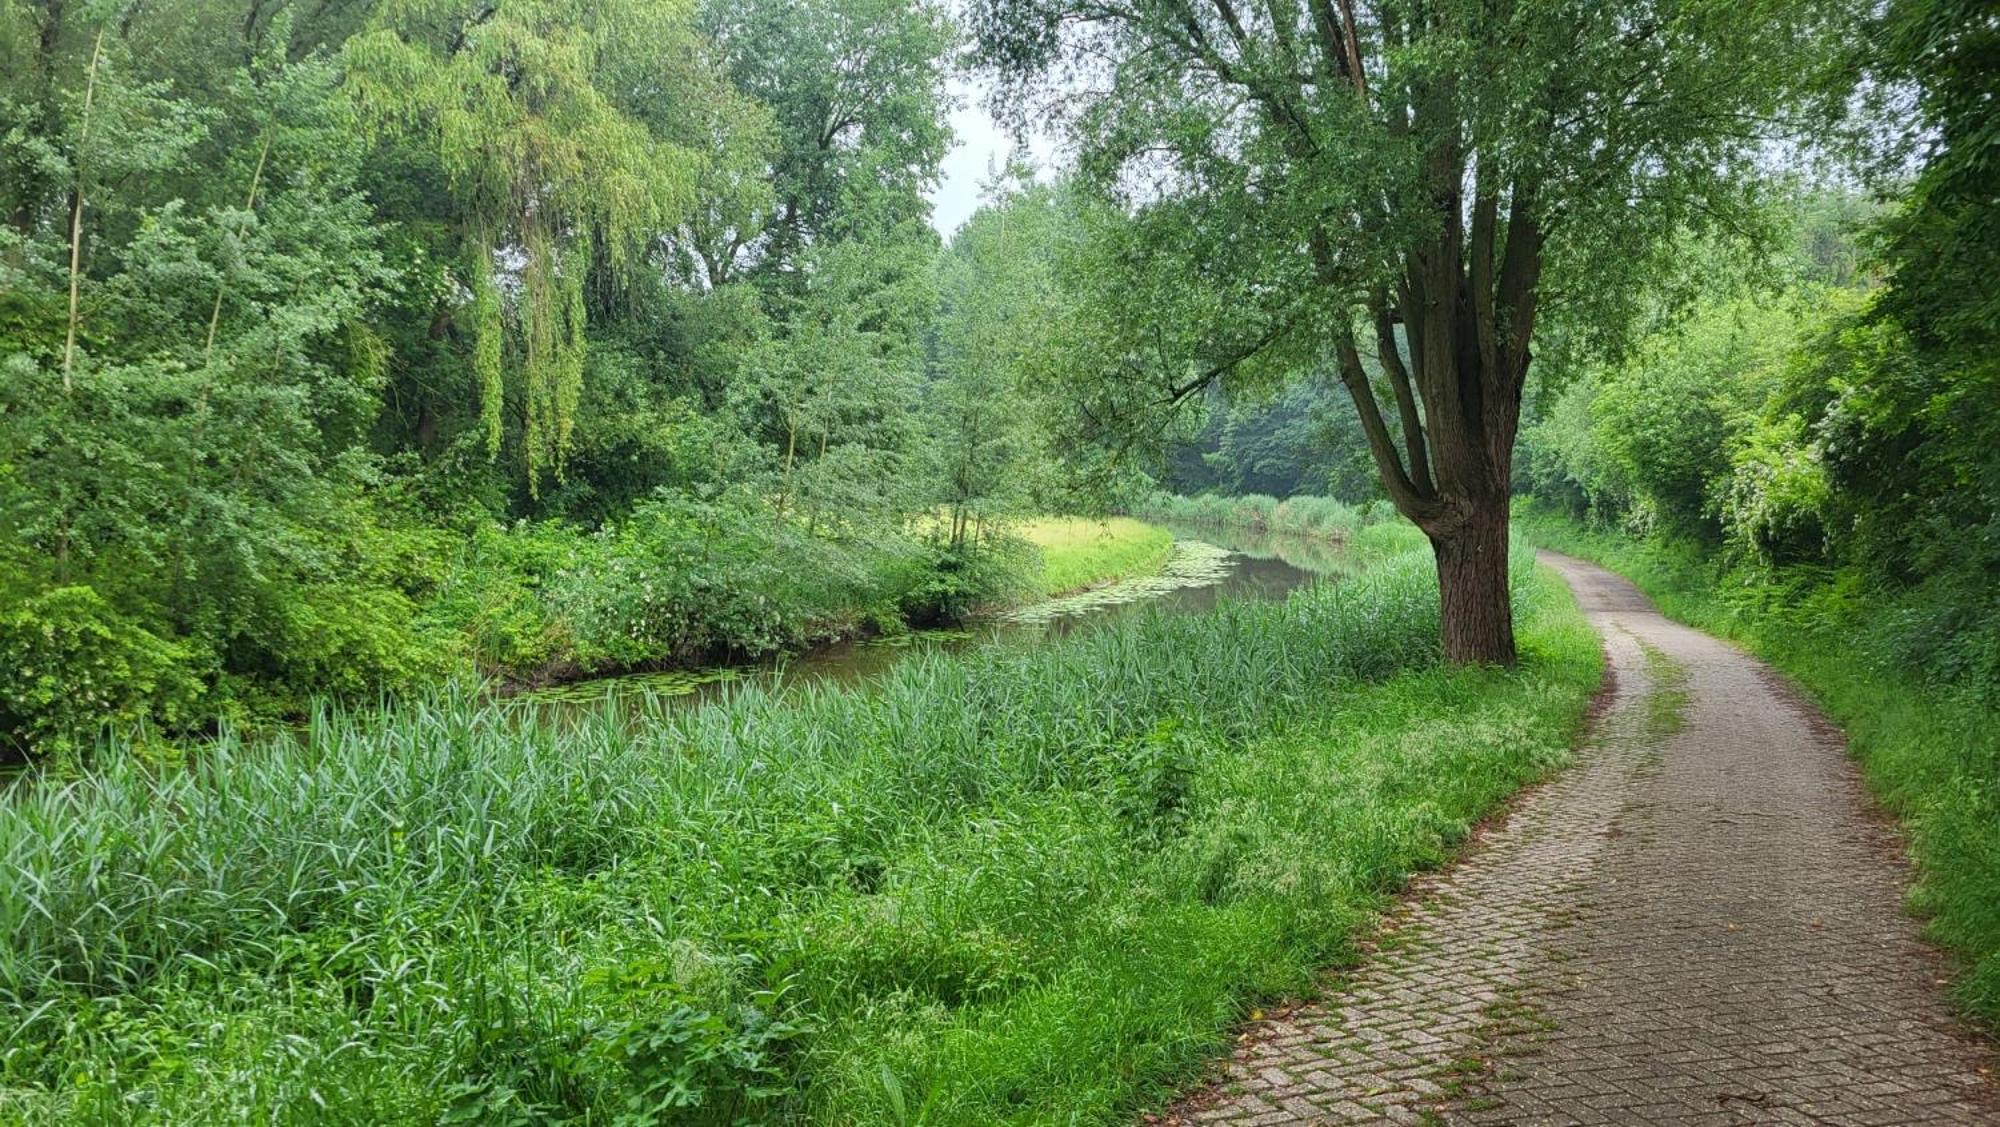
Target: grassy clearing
<point x="1928" y="744"/>
<point x="1078" y="552"/>
<point x="1015" y="885"/>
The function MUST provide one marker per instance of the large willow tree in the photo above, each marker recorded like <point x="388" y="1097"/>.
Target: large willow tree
<point x="1310" y="182"/>
<point x="533" y="110"/>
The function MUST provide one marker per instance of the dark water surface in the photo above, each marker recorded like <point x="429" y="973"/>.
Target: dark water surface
<point x="1208" y="564"/>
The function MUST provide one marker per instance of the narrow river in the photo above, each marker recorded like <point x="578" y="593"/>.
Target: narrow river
<point x="1208" y="564"/>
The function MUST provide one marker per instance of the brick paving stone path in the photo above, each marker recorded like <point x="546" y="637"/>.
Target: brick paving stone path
<point x="1689" y="926"/>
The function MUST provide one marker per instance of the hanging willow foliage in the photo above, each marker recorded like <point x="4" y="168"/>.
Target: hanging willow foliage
<point x="552" y="372"/>
<point x="488" y="334"/>
<point x="543" y="163"/>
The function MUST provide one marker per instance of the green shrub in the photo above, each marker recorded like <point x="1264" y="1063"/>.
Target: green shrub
<point x="682" y="580"/>
<point x="1775" y="503"/>
<point x="941" y="586"/>
<point x="492" y="597"/>
<point x="670" y="1052"/>
<point x="353" y="640"/>
<point x="1253" y="511"/>
<point x="1316" y="516"/>
<point x="70" y="666"/>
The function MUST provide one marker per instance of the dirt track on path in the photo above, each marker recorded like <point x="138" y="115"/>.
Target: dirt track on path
<point x="1698" y="922"/>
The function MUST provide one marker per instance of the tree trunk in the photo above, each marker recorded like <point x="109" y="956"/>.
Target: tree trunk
<point x="427" y="429"/>
<point x="1472" y="586"/>
<point x="1468" y="317"/>
<point x="76" y="213"/>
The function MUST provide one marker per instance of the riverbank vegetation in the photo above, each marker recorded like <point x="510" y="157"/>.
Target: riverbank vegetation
<point x="1078" y="552"/>
<point x="1405" y="200"/>
<point x="643" y="356"/>
<point x="1014" y="884"/>
<point x="1305" y="515"/>
<point x="312" y="389"/>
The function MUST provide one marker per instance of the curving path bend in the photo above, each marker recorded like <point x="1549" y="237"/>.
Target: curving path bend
<point x="1698" y="922"/>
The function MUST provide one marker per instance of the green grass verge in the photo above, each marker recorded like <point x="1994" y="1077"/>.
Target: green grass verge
<point x="1929" y="752"/>
<point x="1015" y="885"/>
<point x="1079" y="552"/>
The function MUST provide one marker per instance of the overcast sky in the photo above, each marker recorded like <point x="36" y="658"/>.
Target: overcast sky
<point x="978" y="145"/>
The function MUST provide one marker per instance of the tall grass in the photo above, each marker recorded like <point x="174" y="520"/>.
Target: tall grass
<point x="1011" y="885"/>
<point x="1926" y="737"/>
<point x="1322" y="517"/>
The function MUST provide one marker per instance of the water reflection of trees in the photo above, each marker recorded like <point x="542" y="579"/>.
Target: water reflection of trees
<point x="1306" y="553"/>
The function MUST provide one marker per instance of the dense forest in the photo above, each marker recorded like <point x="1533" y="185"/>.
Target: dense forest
<point x="368" y="364"/>
<point x="354" y="347"/>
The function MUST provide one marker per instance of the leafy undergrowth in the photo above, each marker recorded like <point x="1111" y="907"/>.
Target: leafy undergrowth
<point x="1080" y="551"/>
<point x="1926" y="737"/>
<point x="1014" y="885"/>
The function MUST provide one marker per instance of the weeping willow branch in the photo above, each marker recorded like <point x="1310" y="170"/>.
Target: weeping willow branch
<point x="553" y="309"/>
<point x="548" y="169"/>
<point x="487" y="340"/>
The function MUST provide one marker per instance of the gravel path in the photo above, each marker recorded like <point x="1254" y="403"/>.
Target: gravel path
<point x="1698" y="922"/>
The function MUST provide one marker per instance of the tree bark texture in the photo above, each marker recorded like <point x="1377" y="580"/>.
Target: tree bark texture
<point x="1473" y="592"/>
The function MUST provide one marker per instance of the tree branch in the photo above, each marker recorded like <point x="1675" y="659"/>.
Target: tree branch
<point x="1332" y="46"/>
<point x="1479" y="265"/>
<point x="1520" y="277"/>
<point x="1414" y="438"/>
<point x="1179" y="393"/>
<point x="1277" y="105"/>
<point x="1353" y="44"/>
<point x="1412" y="504"/>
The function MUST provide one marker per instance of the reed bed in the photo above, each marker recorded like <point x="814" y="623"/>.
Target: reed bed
<point x="1319" y="517"/>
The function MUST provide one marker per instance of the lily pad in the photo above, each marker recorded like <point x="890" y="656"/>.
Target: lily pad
<point x="916" y="638"/>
